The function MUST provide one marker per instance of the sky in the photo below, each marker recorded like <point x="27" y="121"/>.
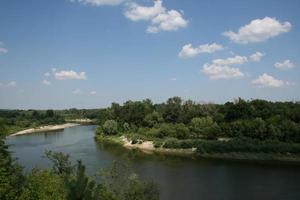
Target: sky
<point x="57" y="54"/>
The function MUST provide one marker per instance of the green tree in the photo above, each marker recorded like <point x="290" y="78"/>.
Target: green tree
<point x="110" y="127"/>
<point x="153" y="119"/>
<point x="172" y="110"/>
<point x="44" y="185"/>
<point x="11" y="177"/>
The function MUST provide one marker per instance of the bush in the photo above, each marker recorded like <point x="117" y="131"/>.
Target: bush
<point x="110" y="127"/>
<point x="181" y="131"/>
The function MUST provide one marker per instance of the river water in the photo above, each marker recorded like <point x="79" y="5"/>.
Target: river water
<point x="177" y="178"/>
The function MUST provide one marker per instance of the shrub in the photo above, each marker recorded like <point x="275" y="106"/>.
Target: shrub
<point x="110" y="127"/>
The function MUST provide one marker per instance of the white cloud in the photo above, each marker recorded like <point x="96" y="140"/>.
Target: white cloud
<point x="136" y="12"/>
<point x="93" y="92"/>
<point x="12" y="84"/>
<point x="76" y="92"/>
<point x="287" y="64"/>
<point x="46" y="82"/>
<point x="169" y="21"/>
<point x="47" y="74"/>
<point x="256" y="57"/>
<point x="65" y="75"/>
<point x="100" y="2"/>
<point x="259" y="30"/>
<point x="161" y="19"/>
<point x="214" y="71"/>
<point x="266" y="80"/>
<point x="237" y="60"/>
<point x="188" y="51"/>
<point x="3" y="50"/>
<point x="173" y="79"/>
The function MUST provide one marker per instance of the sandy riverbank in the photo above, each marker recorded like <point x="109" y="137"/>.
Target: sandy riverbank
<point x="148" y="147"/>
<point x="48" y="128"/>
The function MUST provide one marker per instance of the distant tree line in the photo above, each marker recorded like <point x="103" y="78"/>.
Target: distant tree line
<point x="259" y="125"/>
<point x="255" y="119"/>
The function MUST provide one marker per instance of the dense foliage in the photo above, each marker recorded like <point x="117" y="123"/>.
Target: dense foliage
<point x="16" y="120"/>
<point x="253" y="123"/>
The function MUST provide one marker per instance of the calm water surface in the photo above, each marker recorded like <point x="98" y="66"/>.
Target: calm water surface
<point x="178" y="178"/>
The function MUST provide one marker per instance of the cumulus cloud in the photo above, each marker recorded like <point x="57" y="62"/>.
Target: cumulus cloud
<point x="46" y="82"/>
<point x="169" y="21"/>
<point x="68" y="75"/>
<point x="76" y="92"/>
<point x="93" y="92"/>
<point x="256" y="57"/>
<point x="215" y="71"/>
<point x="266" y="80"/>
<point x="160" y="18"/>
<point x="188" y="51"/>
<point x="237" y="60"/>
<point x="287" y="64"/>
<point x="136" y="12"/>
<point x="222" y="68"/>
<point x="99" y="2"/>
<point x="259" y="30"/>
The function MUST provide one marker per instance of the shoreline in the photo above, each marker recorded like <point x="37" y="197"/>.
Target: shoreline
<point x="47" y="128"/>
<point x="147" y="147"/>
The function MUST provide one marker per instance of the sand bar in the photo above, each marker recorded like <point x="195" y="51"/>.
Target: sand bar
<point x="48" y="128"/>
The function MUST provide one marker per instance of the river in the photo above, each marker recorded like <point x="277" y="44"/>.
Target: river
<point x="177" y="178"/>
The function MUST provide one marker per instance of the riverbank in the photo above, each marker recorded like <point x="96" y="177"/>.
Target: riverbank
<point x="148" y="147"/>
<point x="48" y="128"/>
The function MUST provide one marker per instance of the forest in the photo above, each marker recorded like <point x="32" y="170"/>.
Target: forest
<point x="256" y="126"/>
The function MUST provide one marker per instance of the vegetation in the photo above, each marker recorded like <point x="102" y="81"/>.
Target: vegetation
<point x="183" y="124"/>
<point x="16" y="120"/>
<point x="66" y="181"/>
<point x="239" y="126"/>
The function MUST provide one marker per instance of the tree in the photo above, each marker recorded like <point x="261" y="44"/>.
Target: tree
<point x="172" y="110"/>
<point x="153" y="119"/>
<point x="42" y="184"/>
<point x="50" y="113"/>
<point x="11" y="177"/>
<point x="61" y="162"/>
<point x="82" y="187"/>
<point x="182" y="132"/>
<point x="110" y="127"/>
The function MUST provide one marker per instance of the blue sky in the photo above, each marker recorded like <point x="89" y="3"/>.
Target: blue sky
<point x="89" y="53"/>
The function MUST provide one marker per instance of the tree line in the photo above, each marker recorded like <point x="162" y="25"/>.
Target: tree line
<point x="255" y="119"/>
<point x="239" y="126"/>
